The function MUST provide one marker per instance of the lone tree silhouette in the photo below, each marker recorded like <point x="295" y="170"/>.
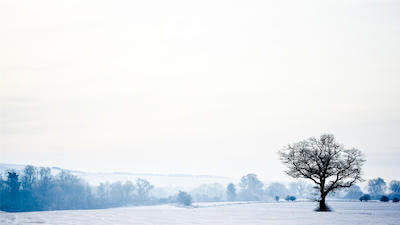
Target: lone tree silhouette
<point x="325" y="162"/>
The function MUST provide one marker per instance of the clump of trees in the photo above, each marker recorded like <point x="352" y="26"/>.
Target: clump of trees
<point x="37" y="189"/>
<point x="354" y="192"/>
<point x="120" y="194"/>
<point x="208" y="193"/>
<point x="394" y="187"/>
<point x="365" y="198"/>
<point x="377" y="190"/>
<point x="301" y="189"/>
<point x="276" y="189"/>
<point x="325" y="162"/>
<point x="184" y="198"/>
<point x="290" y="198"/>
<point x="251" y="188"/>
<point x="231" y="192"/>
<point x="384" y="198"/>
<point x="376" y="187"/>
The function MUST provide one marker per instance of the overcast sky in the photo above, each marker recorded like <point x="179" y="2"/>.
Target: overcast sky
<point x="201" y="87"/>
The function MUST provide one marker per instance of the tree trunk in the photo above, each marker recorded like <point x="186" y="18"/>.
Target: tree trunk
<point x="322" y="204"/>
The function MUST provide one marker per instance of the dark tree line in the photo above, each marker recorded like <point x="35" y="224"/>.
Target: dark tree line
<point x="377" y="189"/>
<point x="37" y="189"/>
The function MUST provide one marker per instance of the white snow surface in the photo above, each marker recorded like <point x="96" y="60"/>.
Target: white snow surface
<point x="222" y="213"/>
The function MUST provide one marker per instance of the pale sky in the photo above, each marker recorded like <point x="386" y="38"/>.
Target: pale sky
<point x="197" y="87"/>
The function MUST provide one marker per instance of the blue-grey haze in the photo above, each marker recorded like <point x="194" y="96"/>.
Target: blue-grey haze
<point x="206" y="87"/>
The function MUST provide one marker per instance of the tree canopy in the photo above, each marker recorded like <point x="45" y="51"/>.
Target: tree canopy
<point x="325" y="162"/>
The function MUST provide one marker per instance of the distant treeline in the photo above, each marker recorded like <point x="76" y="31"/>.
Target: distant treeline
<point x="37" y="189"/>
<point x="377" y="189"/>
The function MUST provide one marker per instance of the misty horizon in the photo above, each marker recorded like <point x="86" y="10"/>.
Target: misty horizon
<point x="149" y="88"/>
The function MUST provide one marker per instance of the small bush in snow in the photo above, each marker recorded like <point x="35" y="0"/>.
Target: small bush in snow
<point x="396" y="199"/>
<point x="290" y="198"/>
<point x="384" y="198"/>
<point x="365" y="198"/>
<point x="184" y="198"/>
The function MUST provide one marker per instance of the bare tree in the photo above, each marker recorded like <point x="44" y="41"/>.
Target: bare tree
<point x="277" y="189"/>
<point x="184" y="198"/>
<point x="251" y="188"/>
<point x="394" y="186"/>
<point x="143" y="189"/>
<point x="377" y="187"/>
<point x="325" y="162"/>
<point x="300" y="189"/>
<point x="231" y="192"/>
<point x="29" y="177"/>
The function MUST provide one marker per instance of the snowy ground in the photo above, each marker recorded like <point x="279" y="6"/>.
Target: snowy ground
<point x="230" y="213"/>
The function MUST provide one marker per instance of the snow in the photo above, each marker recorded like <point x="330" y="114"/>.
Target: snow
<point x="222" y="213"/>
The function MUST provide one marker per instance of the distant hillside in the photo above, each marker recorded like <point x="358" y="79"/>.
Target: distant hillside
<point x="6" y="167"/>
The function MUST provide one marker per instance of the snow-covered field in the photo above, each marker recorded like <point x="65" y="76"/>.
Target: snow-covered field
<point x="229" y="213"/>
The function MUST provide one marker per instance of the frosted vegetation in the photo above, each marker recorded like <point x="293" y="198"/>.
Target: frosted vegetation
<point x="330" y="174"/>
<point x="38" y="189"/>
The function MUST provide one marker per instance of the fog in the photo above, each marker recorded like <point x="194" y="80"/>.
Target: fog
<point x="210" y="87"/>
